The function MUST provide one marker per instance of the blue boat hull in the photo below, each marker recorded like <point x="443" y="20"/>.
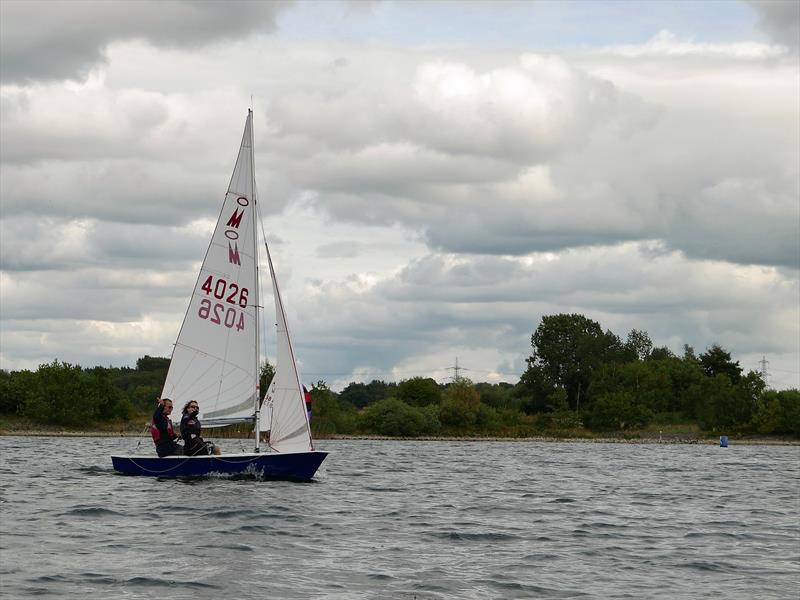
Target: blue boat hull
<point x="299" y="466"/>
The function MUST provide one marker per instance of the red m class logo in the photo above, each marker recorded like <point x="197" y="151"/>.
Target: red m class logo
<point x="236" y="218"/>
<point x="232" y="234"/>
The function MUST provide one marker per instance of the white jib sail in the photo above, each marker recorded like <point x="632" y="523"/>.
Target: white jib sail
<point x="214" y="360"/>
<point x="289" y="428"/>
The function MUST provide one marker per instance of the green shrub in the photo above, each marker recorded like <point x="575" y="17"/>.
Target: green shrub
<point x="618" y="411"/>
<point x="394" y="417"/>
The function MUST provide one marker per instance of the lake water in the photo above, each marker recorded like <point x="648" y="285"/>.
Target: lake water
<point x="408" y="520"/>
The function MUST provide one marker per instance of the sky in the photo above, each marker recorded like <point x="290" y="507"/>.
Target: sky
<point x="434" y="177"/>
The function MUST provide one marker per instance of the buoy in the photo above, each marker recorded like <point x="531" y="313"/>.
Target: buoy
<point x="723" y="441"/>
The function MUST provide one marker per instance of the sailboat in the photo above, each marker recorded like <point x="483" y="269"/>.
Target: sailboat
<point x="215" y="360"/>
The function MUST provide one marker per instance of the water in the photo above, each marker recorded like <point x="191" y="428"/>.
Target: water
<point x="408" y="520"/>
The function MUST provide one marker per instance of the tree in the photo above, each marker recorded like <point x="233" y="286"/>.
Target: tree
<point x="768" y="416"/>
<point x="683" y="374"/>
<point x="568" y="348"/>
<point x="661" y="353"/>
<point x="728" y="406"/>
<point x="534" y="389"/>
<point x="419" y="391"/>
<point x="460" y="404"/>
<point x="618" y="411"/>
<point x="498" y="395"/>
<point x="110" y="401"/>
<point x="330" y="415"/>
<point x="790" y="403"/>
<point x="557" y="401"/>
<point x="15" y="389"/>
<point x="361" y="395"/>
<point x="62" y="394"/>
<point x="152" y="363"/>
<point x="777" y="412"/>
<point x="717" y="361"/>
<point x="396" y="418"/>
<point x="648" y="383"/>
<point x="638" y="344"/>
<point x="267" y="372"/>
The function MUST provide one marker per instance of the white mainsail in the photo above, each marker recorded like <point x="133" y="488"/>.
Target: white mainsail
<point x="215" y="360"/>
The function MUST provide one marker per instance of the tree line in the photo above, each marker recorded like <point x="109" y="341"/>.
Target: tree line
<point x="579" y="379"/>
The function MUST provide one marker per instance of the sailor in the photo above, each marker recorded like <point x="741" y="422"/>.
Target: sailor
<point x="307" y="398"/>
<point x="161" y="429"/>
<point x="193" y="443"/>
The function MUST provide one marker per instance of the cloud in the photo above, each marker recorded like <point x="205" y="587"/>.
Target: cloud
<point x="666" y="44"/>
<point x="52" y="40"/>
<point x="780" y="19"/>
<point x="454" y="305"/>
<point x="422" y="201"/>
<point x="572" y="159"/>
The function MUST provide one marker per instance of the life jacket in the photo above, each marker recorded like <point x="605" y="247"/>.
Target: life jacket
<point x="157" y="434"/>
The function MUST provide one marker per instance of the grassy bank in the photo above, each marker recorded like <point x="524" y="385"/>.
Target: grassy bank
<point x="671" y="434"/>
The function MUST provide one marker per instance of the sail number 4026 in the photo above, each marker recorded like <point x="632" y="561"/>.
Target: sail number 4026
<point x="222" y="289"/>
<point x="220" y="313"/>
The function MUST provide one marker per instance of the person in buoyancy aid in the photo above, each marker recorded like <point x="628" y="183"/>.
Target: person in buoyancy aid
<point x="161" y="429"/>
<point x="307" y="398"/>
<point x="193" y="443"/>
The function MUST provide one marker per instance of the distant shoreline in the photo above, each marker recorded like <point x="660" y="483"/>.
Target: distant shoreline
<point x="666" y="439"/>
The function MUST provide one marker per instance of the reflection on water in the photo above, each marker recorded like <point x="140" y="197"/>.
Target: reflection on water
<point x="408" y="520"/>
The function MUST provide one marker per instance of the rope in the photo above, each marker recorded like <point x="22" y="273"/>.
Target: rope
<point x="183" y="461"/>
<point x="141" y="435"/>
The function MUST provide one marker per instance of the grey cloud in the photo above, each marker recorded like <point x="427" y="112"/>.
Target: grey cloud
<point x="112" y="190"/>
<point x="521" y="155"/>
<point x="523" y="112"/>
<point x="780" y="19"/>
<point x="766" y="222"/>
<point x="643" y="172"/>
<point x="48" y="244"/>
<point x="339" y="250"/>
<point x="34" y="342"/>
<point x="100" y="125"/>
<point x="442" y="302"/>
<point x="48" y="39"/>
<point x="95" y="294"/>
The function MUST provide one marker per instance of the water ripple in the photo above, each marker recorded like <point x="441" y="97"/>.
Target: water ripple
<point x="424" y="520"/>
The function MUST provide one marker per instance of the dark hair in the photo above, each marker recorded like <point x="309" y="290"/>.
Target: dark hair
<point x="166" y="400"/>
<point x="186" y="406"/>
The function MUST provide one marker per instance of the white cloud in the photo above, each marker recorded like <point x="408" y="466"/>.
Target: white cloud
<point x="666" y="43"/>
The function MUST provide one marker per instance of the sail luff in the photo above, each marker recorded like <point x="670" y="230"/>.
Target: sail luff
<point x="257" y="398"/>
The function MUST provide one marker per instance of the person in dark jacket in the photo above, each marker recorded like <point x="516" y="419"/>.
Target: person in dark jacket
<point x="193" y="443"/>
<point x="161" y="429"/>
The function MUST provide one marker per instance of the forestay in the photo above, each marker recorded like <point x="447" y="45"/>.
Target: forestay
<point x="215" y="360"/>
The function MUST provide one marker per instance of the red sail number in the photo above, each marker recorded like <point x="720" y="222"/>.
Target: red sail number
<point x="221" y="315"/>
<point x="220" y="288"/>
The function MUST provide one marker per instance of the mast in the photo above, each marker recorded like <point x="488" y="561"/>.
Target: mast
<point x="257" y="400"/>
